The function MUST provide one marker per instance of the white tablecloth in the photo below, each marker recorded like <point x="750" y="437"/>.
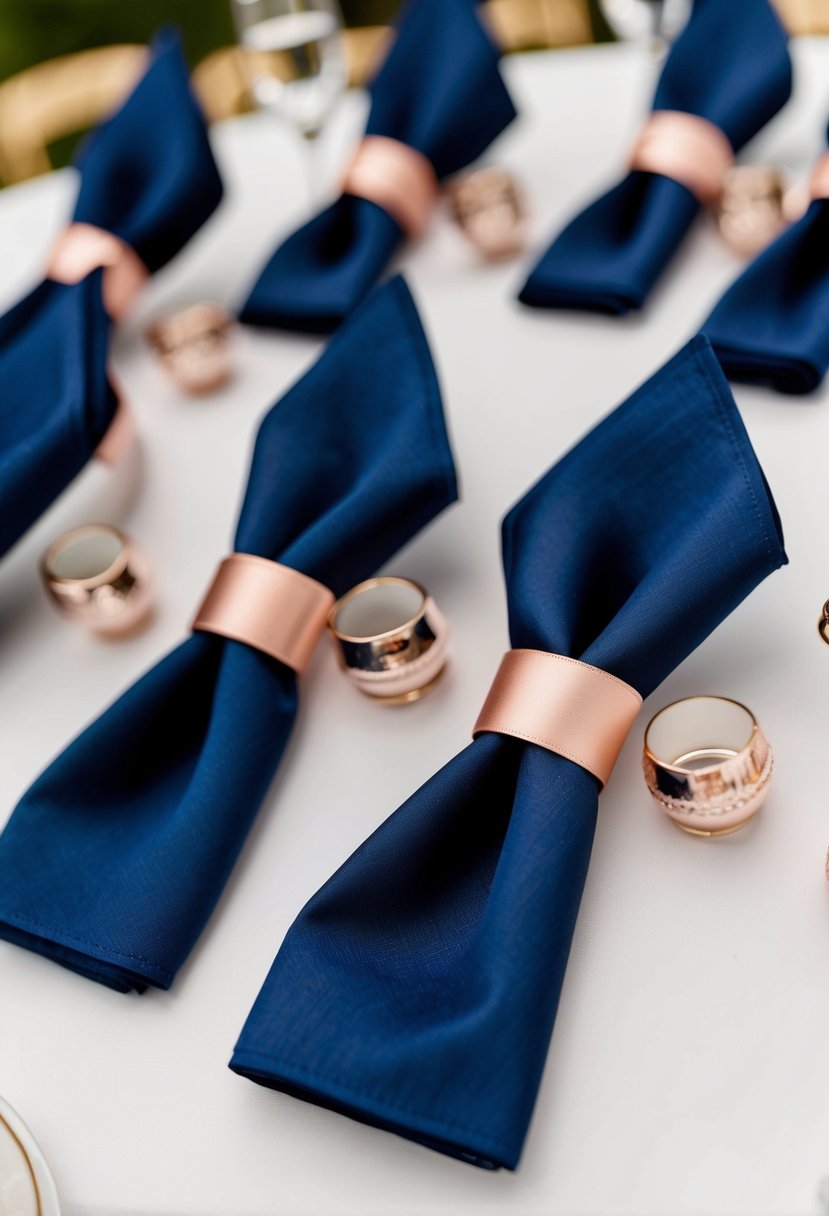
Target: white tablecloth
<point x="689" y="1070"/>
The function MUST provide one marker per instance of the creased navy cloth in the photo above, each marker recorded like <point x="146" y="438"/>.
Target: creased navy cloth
<point x="729" y="65"/>
<point x="440" y="92"/>
<point x="772" y="325"/>
<point x="417" y="989"/>
<point x="148" y="176"/>
<point x="113" y="861"/>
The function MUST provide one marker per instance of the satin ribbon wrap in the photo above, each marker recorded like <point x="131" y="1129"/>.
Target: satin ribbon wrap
<point x="268" y="606"/>
<point x="730" y="67"/>
<point x="417" y="989"/>
<point x="772" y="325"/>
<point x="440" y="94"/>
<point x="571" y="708"/>
<point x="82" y="248"/>
<point x="148" y="181"/>
<point x="397" y="179"/>
<point x="114" y="859"/>
<point x="687" y="149"/>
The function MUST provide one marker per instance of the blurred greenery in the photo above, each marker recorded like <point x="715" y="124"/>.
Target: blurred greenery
<point x="34" y="30"/>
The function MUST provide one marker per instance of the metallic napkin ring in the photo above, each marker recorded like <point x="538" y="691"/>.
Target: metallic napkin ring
<point x="823" y="623"/>
<point x="392" y="639"/>
<point x="751" y="210"/>
<point x="707" y="764"/>
<point x="488" y="207"/>
<point x="195" y="347"/>
<point x="97" y="576"/>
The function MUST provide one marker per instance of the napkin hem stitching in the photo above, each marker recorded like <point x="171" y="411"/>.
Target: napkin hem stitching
<point x="312" y="1076"/>
<point x="62" y="938"/>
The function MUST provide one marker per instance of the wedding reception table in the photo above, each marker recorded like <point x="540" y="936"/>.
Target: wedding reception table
<point x="689" y="1069"/>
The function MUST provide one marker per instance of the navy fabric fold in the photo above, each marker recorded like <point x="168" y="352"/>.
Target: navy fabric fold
<point x="417" y="990"/>
<point x="114" y="859"/>
<point x="731" y="66"/>
<point x="440" y="92"/>
<point x="772" y="325"/>
<point x="147" y="175"/>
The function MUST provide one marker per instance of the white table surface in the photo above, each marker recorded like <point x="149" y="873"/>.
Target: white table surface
<point x="689" y="1070"/>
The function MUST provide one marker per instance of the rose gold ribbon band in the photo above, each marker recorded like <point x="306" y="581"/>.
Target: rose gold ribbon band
<point x="566" y="706"/>
<point x="82" y="248"/>
<point x="119" y="436"/>
<point x="267" y="606"/>
<point x="819" y="181"/>
<point x="397" y="178"/>
<point x="689" y="149"/>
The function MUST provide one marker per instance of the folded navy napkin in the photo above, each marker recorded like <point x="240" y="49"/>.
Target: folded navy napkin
<point x="731" y="66"/>
<point x="112" y="862"/>
<point x="772" y="325"/>
<point x="417" y="990"/>
<point x="440" y="92"/>
<point x="147" y="176"/>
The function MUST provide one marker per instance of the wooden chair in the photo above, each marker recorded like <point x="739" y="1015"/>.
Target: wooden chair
<point x="805" y="16"/>
<point x="67" y="95"/>
<point x="58" y="98"/>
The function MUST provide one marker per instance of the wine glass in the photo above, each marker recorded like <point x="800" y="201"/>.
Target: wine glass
<point x="655" y="21"/>
<point x="294" y="57"/>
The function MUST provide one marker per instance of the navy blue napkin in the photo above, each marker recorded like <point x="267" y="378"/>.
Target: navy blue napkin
<point x="148" y="176"/>
<point x="417" y="989"/>
<point x="440" y="92"/>
<point x="772" y="325"/>
<point x="113" y="861"/>
<point x="731" y="66"/>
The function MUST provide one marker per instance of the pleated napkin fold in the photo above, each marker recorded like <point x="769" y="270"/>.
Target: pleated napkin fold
<point x="439" y="92"/>
<point x="113" y="860"/>
<point x="417" y="990"/>
<point x="147" y="176"/>
<point x="772" y="325"/>
<point x="731" y="66"/>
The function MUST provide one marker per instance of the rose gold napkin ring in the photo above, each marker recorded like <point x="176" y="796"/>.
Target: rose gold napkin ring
<point x="823" y="623"/>
<point x="397" y="178"/>
<point x="97" y="576"/>
<point x="750" y="212"/>
<point x="566" y="706"/>
<point x="488" y="207"/>
<point x="707" y="764"/>
<point x="268" y="606"/>
<point x="689" y="149"/>
<point x="819" y="181"/>
<point x="391" y="637"/>
<point x="82" y="248"/>
<point x="194" y="346"/>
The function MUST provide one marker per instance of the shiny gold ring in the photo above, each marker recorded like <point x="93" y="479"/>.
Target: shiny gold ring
<point x="707" y="764"/>
<point x="97" y="576"/>
<point x="391" y="639"/>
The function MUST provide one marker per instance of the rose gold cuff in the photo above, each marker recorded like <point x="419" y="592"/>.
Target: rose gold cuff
<point x="397" y="178"/>
<point x="689" y="149"/>
<point x="100" y="578"/>
<point x="707" y="764"/>
<point x="569" y="707"/>
<point x="82" y="248"/>
<point x="819" y="181"/>
<point x="270" y="607"/>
